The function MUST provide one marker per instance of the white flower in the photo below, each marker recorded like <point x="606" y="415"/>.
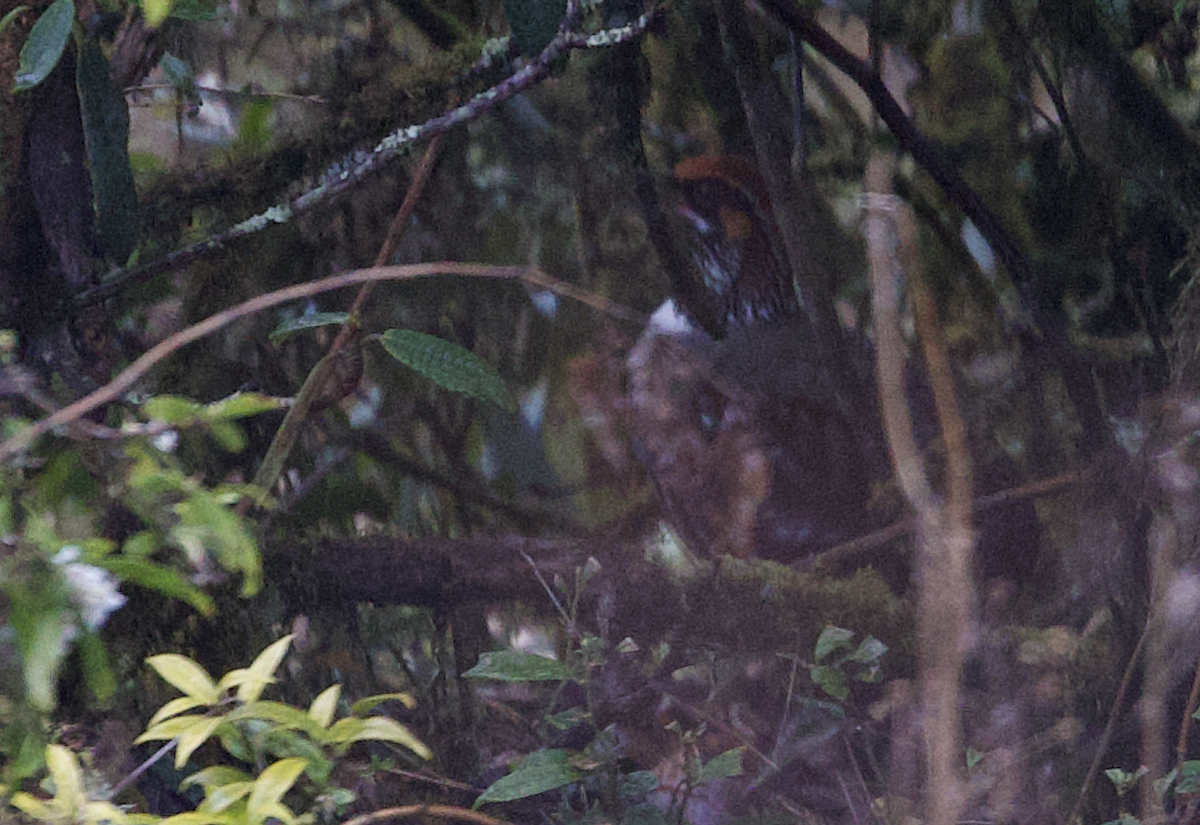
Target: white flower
<point x="93" y="589"/>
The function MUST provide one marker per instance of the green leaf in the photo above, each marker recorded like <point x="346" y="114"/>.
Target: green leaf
<point x="270" y="787"/>
<point x="281" y="743"/>
<point x="102" y="813"/>
<point x="156" y="11"/>
<point x="162" y="580"/>
<point x="201" y="818"/>
<point x="7" y="20"/>
<point x="220" y="797"/>
<point x="831" y="680"/>
<point x="312" y="320"/>
<point x="179" y="74"/>
<point x="637" y="784"/>
<point x="448" y="365"/>
<point x="172" y="409"/>
<point x="36" y="808"/>
<point x="831" y="639"/>
<point x="869" y="650"/>
<point x="169" y="728"/>
<point x="534" y="23"/>
<point x="567" y="719"/>
<point x="174" y="708"/>
<point x="186" y="675"/>
<point x="97" y="671"/>
<point x="68" y="778"/>
<point x="208" y="524"/>
<point x="515" y="666"/>
<point x="262" y="671"/>
<point x="239" y="405"/>
<point x="45" y="44"/>
<point x="538" y="772"/>
<point x="215" y="776"/>
<point x="369" y="703"/>
<point x="194" y="737"/>
<point x="44" y="649"/>
<point x="323" y="707"/>
<point x="723" y="765"/>
<point x="1189" y="777"/>
<point x="193" y="10"/>
<point x="379" y="728"/>
<point x="276" y="712"/>
<point x="106" y="127"/>
<point x="229" y="435"/>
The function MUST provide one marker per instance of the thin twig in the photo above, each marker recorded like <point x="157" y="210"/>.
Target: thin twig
<point x="1113" y="713"/>
<point x="315" y="385"/>
<point x="448" y="812"/>
<point x="338" y="179"/>
<point x="135" y="371"/>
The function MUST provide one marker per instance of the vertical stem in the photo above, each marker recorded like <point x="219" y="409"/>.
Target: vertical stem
<point x="944" y="537"/>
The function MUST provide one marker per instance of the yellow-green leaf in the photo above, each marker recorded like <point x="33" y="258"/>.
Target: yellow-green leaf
<point x="68" y="778"/>
<point x="99" y="813"/>
<point x="274" y="782"/>
<point x="220" y="797"/>
<point x="156" y="11"/>
<point x="215" y="776"/>
<point x="172" y="409"/>
<point x="170" y="728"/>
<point x="36" y="808"/>
<point x="275" y="810"/>
<point x="199" y="818"/>
<point x="194" y="737"/>
<point x="173" y="708"/>
<point x="186" y="675"/>
<point x="323" y="706"/>
<point x="240" y="405"/>
<point x="368" y="703"/>
<point x="263" y="669"/>
<point x="380" y="728"/>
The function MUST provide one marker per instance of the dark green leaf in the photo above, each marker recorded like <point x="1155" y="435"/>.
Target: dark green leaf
<point x="447" y="365"/>
<point x="869" y="651"/>
<point x="831" y="639"/>
<point x="568" y="719"/>
<point x="228" y="435"/>
<point x="45" y="44"/>
<point x="97" y="671"/>
<point x="534" y="23"/>
<point x="106" y="126"/>
<point x="538" y="772"/>
<point x="723" y="766"/>
<point x="637" y="784"/>
<point x="515" y="666"/>
<point x="831" y="680"/>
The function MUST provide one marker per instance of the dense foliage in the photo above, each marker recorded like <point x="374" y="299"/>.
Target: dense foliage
<point x="342" y="323"/>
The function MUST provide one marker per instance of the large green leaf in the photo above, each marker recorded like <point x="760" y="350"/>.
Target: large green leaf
<point x="45" y="44"/>
<point x="538" y="772"/>
<point x="515" y="666"/>
<point x="106" y="126"/>
<point x="448" y="365"/>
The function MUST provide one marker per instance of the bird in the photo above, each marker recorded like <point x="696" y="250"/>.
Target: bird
<point x="724" y="206"/>
<point x="740" y="426"/>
